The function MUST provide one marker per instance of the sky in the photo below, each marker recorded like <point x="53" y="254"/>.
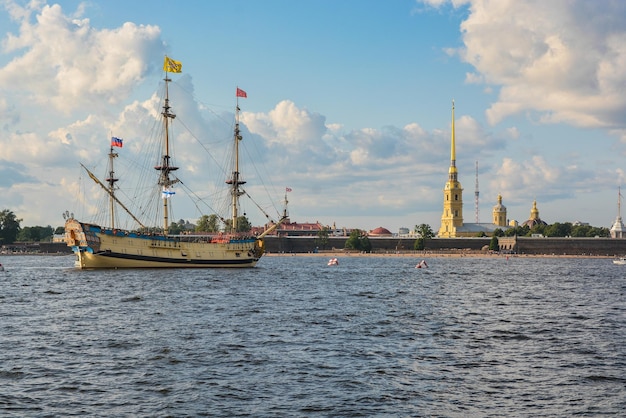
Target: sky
<point x="349" y="102"/>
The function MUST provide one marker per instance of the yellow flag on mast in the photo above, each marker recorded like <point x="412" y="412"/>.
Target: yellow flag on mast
<point x="172" y="66"/>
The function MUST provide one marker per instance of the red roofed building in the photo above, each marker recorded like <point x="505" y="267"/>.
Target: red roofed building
<point x="380" y="232"/>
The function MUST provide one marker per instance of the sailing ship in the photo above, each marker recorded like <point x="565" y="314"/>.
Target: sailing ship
<point x="99" y="247"/>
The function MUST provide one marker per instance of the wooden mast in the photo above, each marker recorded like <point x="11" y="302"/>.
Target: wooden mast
<point x="111" y="181"/>
<point x="165" y="168"/>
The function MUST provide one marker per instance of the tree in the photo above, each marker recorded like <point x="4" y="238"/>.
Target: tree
<point x="520" y="231"/>
<point x="174" y="229"/>
<point x="243" y="224"/>
<point x="35" y="234"/>
<point x="322" y="238"/>
<point x="538" y="229"/>
<point x="599" y="232"/>
<point x="494" y="244"/>
<point x="498" y="232"/>
<point x="208" y="223"/>
<point x="9" y="227"/>
<point x="358" y="241"/>
<point x="557" y="229"/>
<point x="425" y="232"/>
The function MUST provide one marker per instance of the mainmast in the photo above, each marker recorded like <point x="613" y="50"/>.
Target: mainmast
<point x="235" y="180"/>
<point x="111" y="181"/>
<point x="165" y="168"/>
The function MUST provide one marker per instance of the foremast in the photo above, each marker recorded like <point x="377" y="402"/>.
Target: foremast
<point x="165" y="181"/>
<point x="111" y="182"/>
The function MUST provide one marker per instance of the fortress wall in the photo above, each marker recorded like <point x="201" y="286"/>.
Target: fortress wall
<point x="522" y="245"/>
<point x="308" y="244"/>
<point x="571" y="246"/>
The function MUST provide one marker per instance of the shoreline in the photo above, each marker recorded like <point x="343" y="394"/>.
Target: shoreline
<point x="434" y="255"/>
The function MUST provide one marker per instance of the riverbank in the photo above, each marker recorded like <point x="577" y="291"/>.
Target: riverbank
<point x="424" y="255"/>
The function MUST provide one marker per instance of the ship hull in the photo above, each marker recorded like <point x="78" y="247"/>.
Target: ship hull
<point x="98" y="248"/>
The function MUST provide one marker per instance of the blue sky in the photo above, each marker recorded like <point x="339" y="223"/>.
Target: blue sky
<point x="349" y="101"/>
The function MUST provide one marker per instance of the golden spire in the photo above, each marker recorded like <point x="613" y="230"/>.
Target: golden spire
<point x="452" y="171"/>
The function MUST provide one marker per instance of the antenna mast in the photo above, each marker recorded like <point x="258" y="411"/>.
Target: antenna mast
<point x="476" y="193"/>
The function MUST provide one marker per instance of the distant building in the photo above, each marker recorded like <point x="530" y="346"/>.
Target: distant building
<point x="452" y="224"/>
<point x="499" y="213"/>
<point x="534" y="217"/>
<point x="618" y="230"/>
<point x="380" y="232"/>
<point x="302" y="229"/>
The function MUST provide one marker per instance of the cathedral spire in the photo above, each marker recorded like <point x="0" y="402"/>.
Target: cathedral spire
<point x="452" y="216"/>
<point x="452" y="172"/>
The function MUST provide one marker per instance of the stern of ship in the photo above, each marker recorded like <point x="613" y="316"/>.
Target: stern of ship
<point x="80" y="240"/>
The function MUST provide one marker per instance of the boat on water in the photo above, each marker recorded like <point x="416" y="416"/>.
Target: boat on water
<point x="102" y="247"/>
<point x="620" y="261"/>
<point x="333" y="262"/>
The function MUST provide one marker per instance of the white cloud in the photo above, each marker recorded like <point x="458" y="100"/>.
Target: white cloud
<point x="65" y="63"/>
<point x="565" y="60"/>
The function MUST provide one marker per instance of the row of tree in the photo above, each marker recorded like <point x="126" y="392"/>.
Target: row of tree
<point x="557" y="229"/>
<point x="11" y="231"/>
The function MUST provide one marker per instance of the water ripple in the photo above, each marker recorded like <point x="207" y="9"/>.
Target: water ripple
<point x="370" y="337"/>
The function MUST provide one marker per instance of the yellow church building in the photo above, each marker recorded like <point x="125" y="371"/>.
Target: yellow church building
<point x="452" y="224"/>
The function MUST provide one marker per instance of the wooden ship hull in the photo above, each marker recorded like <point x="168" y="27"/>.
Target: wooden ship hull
<point x="96" y="248"/>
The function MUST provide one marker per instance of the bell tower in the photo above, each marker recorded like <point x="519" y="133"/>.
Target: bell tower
<point x="452" y="216"/>
<point x="499" y="213"/>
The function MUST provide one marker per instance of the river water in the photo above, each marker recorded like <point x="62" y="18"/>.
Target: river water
<point x="372" y="336"/>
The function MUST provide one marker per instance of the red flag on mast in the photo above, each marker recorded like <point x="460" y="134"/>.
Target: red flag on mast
<point x="241" y="93"/>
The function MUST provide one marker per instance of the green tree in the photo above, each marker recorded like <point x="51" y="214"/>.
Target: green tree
<point x="9" y="227"/>
<point x="35" y="234"/>
<point x="557" y="229"/>
<point x="358" y="241"/>
<point x="174" y="229"/>
<point x="498" y="232"/>
<point x="538" y="229"/>
<point x="580" y="230"/>
<point x="520" y="231"/>
<point x="243" y="224"/>
<point x="599" y="232"/>
<point x="322" y="238"/>
<point x="208" y="223"/>
<point x="424" y="232"/>
<point x="493" y="244"/>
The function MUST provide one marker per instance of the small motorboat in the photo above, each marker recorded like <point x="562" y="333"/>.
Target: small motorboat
<point x="333" y="262"/>
<point x="621" y="260"/>
<point x="421" y="264"/>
